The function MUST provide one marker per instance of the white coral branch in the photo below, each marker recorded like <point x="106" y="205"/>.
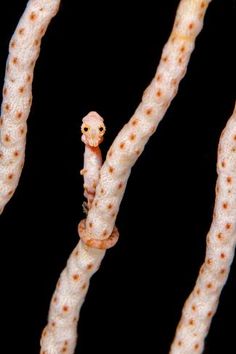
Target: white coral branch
<point x="202" y="303"/>
<point x="24" y="50"/>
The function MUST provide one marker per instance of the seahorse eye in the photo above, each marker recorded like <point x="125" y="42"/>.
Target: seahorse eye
<point x="85" y="129"/>
<point x="101" y="129"/>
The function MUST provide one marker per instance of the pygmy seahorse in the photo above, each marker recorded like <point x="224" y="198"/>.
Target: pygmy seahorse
<point x="92" y="130"/>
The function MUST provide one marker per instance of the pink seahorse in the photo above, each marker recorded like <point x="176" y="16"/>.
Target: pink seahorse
<point x="92" y="130"/>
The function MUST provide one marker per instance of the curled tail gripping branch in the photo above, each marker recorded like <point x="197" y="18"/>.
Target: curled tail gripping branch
<point x="93" y="130"/>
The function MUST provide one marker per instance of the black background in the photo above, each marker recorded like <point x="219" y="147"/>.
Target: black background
<point x="101" y="56"/>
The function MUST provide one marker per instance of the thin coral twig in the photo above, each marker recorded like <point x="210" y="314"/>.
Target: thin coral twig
<point x="131" y="140"/>
<point x="24" y="50"/>
<point x="202" y="303"/>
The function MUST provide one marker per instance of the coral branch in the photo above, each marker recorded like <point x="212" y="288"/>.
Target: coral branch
<point x="202" y="303"/>
<point x="98" y="232"/>
<point x="17" y="91"/>
<point x="131" y="140"/>
<point x="60" y="333"/>
<point x="59" y="336"/>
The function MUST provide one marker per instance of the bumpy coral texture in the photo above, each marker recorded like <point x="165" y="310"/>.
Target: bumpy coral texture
<point x="131" y="140"/>
<point x="202" y="303"/>
<point x="60" y="333"/>
<point x="17" y="91"/>
<point x="59" y="336"/>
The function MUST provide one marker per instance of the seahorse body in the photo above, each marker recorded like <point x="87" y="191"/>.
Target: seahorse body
<point x="92" y="130"/>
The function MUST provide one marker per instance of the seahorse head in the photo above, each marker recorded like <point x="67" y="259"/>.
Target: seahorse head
<point x="92" y="129"/>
